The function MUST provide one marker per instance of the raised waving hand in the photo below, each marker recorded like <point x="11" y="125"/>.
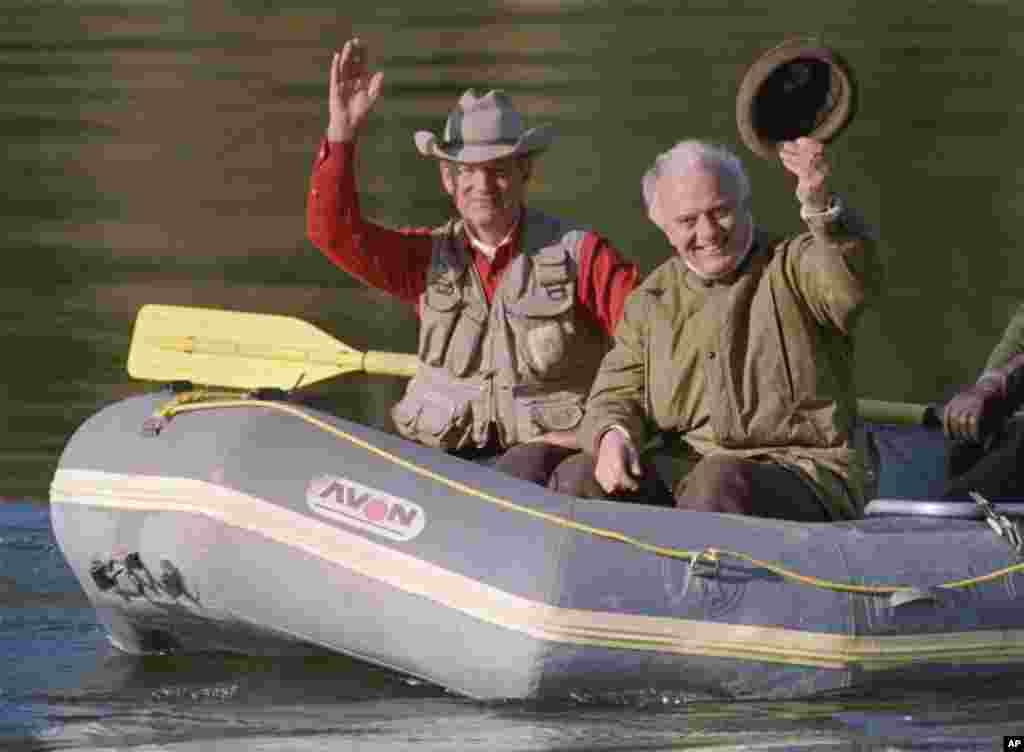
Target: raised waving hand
<point x="353" y="91"/>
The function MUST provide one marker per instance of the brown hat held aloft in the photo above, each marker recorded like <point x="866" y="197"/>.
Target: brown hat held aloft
<point x="800" y="88"/>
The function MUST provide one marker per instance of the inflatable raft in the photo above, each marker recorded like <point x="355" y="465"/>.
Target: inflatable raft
<point x="198" y="522"/>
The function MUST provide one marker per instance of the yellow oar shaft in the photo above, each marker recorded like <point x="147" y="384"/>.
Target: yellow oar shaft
<point x="901" y="413"/>
<point x="259" y="351"/>
<point x="251" y="350"/>
<point x="390" y="363"/>
<point x="405" y="364"/>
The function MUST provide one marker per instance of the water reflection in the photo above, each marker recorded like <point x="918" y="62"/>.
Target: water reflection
<point x="164" y="151"/>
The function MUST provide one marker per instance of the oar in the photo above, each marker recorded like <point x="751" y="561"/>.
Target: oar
<point x="900" y="413"/>
<point x="214" y="347"/>
<point x="245" y="350"/>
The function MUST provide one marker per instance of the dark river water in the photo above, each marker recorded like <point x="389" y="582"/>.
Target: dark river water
<point x="159" y="152"/>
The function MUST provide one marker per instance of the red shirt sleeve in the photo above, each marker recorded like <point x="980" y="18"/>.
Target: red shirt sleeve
<point x="395" y="261"/>
<point x="606" y="280"/>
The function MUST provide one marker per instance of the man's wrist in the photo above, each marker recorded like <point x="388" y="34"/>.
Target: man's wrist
<point x="814" y="210"/>
<point x="993" y="382"/>
<point x="337" y="135"/>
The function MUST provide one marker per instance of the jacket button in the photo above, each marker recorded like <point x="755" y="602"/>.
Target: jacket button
<point x="711" y="355"/>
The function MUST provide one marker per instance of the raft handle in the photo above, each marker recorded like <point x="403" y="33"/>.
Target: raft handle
<point x="702" y="567"/>
<point x="705" y="564"/>
<point x="914" y="595"/>
<point x="1001" y="525"/>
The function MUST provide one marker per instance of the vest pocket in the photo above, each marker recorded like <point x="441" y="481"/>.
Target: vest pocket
<point x="464" y="350"/>
<point x="451" y="330"/>
<point x="440" y="312"/>
<point x="547" y="334"/>
<point x="432" y="416"/>
<point x="540" y="413"/>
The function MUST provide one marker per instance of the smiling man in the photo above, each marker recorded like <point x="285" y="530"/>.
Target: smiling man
<point x="516" y="307"/>
<point x="731" y="379"/>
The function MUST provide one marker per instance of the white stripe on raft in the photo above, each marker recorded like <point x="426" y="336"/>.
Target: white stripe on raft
<point x="385" y="564"/>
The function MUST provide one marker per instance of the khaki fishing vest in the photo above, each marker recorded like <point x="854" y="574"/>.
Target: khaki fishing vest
<point x="523" y="364"/>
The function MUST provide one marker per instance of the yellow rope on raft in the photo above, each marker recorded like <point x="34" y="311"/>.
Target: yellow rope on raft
<point x="198" y="395"/>
<point x="190" y="401"/>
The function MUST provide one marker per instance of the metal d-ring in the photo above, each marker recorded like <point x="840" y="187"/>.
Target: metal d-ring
<point x="704" y="564"/>
<point x="1002" y="525"/>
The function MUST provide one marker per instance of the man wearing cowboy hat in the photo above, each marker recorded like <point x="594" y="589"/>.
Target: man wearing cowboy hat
<point x="516" y="307"/>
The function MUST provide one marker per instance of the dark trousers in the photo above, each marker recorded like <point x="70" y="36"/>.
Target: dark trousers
<point x="575" y="477"/>
<point x="716" y="484"/>
<point x="996" y="472"/>
<point x="533" y="461"/>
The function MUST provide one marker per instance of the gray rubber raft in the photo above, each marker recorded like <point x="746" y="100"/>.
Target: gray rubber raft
<point x="269" y="528"/>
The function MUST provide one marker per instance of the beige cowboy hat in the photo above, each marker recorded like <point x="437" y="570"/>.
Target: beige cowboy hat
<point x="482" y="128"/>
<point x="799" y="88"/>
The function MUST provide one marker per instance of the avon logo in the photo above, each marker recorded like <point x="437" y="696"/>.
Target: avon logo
<point x="365" y="508"/>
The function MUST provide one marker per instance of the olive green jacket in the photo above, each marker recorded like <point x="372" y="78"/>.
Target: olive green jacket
<point x="758" y="365"/>
<point x="1011" y="344"/>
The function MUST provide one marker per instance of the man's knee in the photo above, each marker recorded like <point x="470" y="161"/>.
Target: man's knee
<point x="718" y="484"/>
<point x="575" y="477"/>
<point x="534" y="462"/>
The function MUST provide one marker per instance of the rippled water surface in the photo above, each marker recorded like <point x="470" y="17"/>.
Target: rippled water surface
<point x="158" y="151"/>
<point x="63" y="687"/>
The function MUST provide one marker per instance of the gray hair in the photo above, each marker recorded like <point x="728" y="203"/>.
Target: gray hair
<point x="691" y="156"/>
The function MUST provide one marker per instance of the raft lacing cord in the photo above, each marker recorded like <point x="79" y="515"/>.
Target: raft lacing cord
<point x="190" y="401"/>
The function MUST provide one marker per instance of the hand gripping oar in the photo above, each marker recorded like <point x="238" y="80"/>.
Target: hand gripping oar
<point x="213" y="347"/>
